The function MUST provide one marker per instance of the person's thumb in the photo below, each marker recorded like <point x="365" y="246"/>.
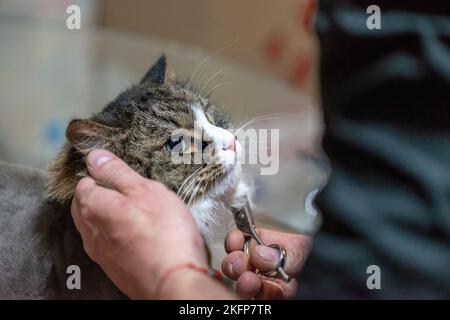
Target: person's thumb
<point x="266" y="259"/>
<point x="110" y="171"/>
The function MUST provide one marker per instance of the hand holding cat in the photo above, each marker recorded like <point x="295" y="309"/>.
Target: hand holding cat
<point x="240" y="267"/>
<point x="136" y="230"/>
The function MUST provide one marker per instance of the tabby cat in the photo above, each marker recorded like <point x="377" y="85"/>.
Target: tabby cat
<point x="38" y="240"/>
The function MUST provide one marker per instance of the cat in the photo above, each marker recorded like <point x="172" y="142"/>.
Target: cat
<point x="38" y="240"/>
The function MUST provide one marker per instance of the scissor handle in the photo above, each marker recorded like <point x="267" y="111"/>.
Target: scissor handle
<point x="244" y="222"/>
<point x="246" y="247"/>
<point x="278" y="272"/>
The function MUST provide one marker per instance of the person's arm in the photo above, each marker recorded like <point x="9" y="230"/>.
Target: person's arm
<point x="140" y="233"/>
<point x="189" y="284"/>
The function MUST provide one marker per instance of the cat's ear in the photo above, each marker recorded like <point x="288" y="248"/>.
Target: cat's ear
<point x="161" y="72"/>
<point x="87" y="135"/>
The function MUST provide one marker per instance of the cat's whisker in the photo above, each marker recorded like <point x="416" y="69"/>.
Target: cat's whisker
<point x="204" y="192"/>
<point x="183" y="194"/>
<point x="187" y="179"/>
<point x="261" y="118"/>
<point x="215" y="87"/>
<point x="194" y="193"/>
<point x="190" y="186"/>
<point x="190" y="177"/>
<point x="245" y="123"/>
<point x="190" y="192"/>
<point x="212" y="78"/>
<point x="206" y="60"/>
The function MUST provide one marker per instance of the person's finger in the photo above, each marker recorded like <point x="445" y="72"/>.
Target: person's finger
<point x="96" y="201"/>
<point x="290" y="241"/>
<point x="263" y="258"/>
<point x="112" y="172"/>
<point x="234" y="241"/>
<point x="83" y="190"/>
<point x="235" y="264"/>
<point x="266" y="259"/>
<point x="90" y="206"/>
<point x="251" y="285"/>
<point x="76" y="216"/>
<point x="248" y="285"/>
<point x="270" y="291"/>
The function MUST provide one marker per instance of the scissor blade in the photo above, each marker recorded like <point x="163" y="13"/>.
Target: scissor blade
<point x="244" y="222"/>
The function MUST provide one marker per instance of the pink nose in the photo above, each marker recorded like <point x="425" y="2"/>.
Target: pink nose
<point x="231" y="144"/>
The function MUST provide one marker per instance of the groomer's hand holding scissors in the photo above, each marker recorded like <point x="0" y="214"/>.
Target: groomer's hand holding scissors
<point x="241" y="267"/>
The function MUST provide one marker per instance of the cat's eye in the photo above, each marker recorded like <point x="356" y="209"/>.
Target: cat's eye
<point x="176" y="144"/>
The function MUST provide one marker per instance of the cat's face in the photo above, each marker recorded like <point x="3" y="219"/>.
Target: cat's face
<point x="167" y="132"/>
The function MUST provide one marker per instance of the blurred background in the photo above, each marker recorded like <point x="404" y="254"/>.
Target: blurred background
<point x="264" y="62"/>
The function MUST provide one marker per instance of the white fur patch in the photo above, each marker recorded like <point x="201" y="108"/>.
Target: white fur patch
<point x="211" y="211"/>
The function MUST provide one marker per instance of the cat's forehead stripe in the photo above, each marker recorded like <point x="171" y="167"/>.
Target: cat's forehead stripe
<point x="202" y="120"/>
<point x="217" y="134"/>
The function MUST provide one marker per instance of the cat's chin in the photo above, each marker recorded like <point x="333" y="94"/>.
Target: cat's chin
<point x="211" y="211"/>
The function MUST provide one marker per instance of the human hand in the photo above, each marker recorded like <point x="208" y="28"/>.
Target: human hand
<point x="240" y="267"/>
<point x="134" y="228"/>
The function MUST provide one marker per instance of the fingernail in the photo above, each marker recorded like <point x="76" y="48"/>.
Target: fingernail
<point x="235" y="266"/>
<point x="268" y="254"/>
<point x="98" y="157"/>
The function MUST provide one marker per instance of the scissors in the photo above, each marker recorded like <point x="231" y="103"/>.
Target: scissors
<point x="244" y="222"/>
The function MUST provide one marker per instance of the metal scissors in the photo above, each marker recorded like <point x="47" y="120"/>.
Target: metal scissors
<point x="244" y="222"/>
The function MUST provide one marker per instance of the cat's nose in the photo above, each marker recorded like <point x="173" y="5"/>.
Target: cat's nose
<point x="231" y="144"/>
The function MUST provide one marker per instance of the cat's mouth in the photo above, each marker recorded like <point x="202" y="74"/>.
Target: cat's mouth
<point x="209" y="209"/>
<point x="218" y="185"/>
